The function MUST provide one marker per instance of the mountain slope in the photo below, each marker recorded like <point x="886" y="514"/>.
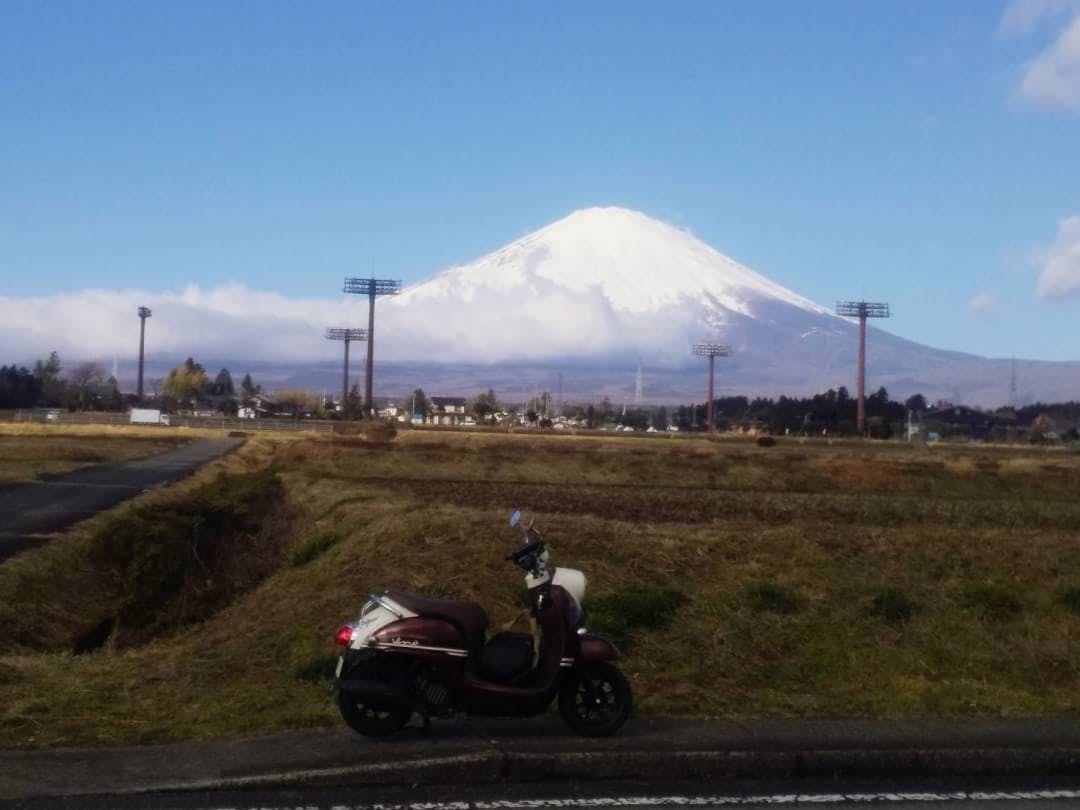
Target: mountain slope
<point x="607" y="288"/>
<point x="638" y="264"/>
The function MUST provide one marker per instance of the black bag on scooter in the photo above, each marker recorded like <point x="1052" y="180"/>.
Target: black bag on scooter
<point x="507" y="657"/>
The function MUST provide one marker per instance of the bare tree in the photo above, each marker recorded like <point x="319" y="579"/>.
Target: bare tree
<point x="82" y="378"/>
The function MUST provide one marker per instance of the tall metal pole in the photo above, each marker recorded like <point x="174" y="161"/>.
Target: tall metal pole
<point x="347" y="335"/>
<point x="860" y="414"/>
<point x="144" y="313"/>
<point x="712" y="351"/>
<point x="372" y="288"/>
<point x="862" y="310"/>
<point x="712" y="364"/>
<point x="368" y="404"/>
<point x="345" y="380"/>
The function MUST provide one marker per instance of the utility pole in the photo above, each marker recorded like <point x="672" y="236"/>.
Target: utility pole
<point x="372" y="288"/>
<point x="862" y="310"/>
<point x="347" y="336"/>
<point x="144" y="313"/>
<point x="712" y="351"/>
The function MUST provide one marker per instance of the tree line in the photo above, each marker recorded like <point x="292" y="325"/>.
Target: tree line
<point x="86" y="386"/>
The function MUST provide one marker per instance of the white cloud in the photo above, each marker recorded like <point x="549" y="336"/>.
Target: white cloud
<point x="984" y="305"/>
<point x="1052" y="78"/>
<point x="1024" y="16"/>
<point x="1059" y="266"/>
<point x="236" y="323"/>
<point x="228" y="320"/>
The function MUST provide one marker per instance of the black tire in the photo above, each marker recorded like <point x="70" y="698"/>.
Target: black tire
<point x="370" y="720"/>
<point x="595" y="700"/>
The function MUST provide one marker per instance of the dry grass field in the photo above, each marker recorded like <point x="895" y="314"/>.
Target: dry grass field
<point x="31" y="451"/>
<point x="805" y="579"/>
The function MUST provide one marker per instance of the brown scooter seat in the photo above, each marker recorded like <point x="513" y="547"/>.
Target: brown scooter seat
<point x="469" y="616"/>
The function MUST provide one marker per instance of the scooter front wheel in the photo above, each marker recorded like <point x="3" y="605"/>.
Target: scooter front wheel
<point x="595" y="700"/>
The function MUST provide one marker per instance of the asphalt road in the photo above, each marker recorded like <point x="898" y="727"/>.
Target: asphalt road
<point x="827" y="795"/>
<point x="36" y="508"/>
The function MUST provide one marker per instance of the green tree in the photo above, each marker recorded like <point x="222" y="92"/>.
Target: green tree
<point x="484" y="406"/>
<point x="223" y="384"/>
<point x="185" y="382"/>
<point x="248" y="389"/>
<point x="50" y="384"/>
<point x="354" y="404"/>
<point x="660" y="419"/>
<point x="419" y="403"/>
<point x="916" y="403"/>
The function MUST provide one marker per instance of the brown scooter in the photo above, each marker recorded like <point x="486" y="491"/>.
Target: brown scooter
<point x="409" y="654"/>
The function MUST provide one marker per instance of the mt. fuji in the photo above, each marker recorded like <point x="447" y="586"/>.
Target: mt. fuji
<point x="585" y="300"/>
<point x="605" y="289"/>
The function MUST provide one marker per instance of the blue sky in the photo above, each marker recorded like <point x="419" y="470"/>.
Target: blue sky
<point x="923" y="153"/>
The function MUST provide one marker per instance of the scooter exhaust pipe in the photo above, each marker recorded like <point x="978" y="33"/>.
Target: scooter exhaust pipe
<point x="375" y="693"/>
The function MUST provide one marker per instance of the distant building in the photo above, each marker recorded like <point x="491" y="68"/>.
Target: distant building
<point x="447" y="411"/>
<point x="264" y="404"/>
<point x="393" y="413"/>
<point x="962" y="421"/>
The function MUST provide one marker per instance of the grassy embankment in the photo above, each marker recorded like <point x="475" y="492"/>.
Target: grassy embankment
<point x="806" y="579"/>
<point x="33" y="451"/>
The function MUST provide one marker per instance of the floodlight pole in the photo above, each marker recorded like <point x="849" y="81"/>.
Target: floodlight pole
<point x="862" y="310"/>
<point x="712" y="351"/>
<point x="347" y="336"/>
<point x="709" y="406"/>
<point x="144" y="313"/>
<point x="372" y="288"/>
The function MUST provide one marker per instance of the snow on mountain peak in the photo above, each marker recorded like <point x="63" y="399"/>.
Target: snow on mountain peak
<point x="637" y="263"/>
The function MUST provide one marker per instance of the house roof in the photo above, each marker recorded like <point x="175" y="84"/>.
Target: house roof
<point x="444" y="401"/>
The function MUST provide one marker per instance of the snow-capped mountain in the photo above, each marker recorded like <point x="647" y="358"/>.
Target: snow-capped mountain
<point x="602" y="282"/>
<point x="585" y="300"/>
<point x="638" y="264"/>
<point x="606" y="288"/>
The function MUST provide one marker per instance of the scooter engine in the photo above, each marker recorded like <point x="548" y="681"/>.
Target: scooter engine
<point x="434" y="695"/>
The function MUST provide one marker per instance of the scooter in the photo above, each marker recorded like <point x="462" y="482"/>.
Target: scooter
<point x="408" y="654"/>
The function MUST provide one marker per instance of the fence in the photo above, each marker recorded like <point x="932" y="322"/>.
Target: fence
<point x="206" y="423"/>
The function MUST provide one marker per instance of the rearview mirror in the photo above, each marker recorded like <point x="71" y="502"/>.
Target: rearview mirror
<point x="515" y="518"/>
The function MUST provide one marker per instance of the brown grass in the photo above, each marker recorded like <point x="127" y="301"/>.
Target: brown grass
<point x="29" y="454"/>
<point x="928" y="583"/>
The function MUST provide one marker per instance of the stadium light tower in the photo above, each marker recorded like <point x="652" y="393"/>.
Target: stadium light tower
<point x="372" y="288"/>
<point x="862" y="310"/>
<point x="712" y="351"/>
<point x="144" y="313"/>
<point x="347" y="336"/>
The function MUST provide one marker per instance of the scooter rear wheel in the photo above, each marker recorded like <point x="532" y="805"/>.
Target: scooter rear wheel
<point x="595" y="700"/>
<point x="369" y="719"/>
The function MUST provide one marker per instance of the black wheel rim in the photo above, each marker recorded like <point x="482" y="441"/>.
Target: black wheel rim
<point x="596" y="700"/>
<point x="371" y="713"/>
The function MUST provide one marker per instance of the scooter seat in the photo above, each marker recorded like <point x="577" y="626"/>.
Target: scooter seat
<point x="469" y="616"/>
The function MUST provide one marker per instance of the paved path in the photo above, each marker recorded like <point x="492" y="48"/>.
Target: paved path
<point x="834" y="795"/>
<point x="528" y="752"/>
<point x="30" y="510"/>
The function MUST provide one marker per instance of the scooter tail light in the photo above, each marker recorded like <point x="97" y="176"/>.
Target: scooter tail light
<point x="344" y="635"/>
